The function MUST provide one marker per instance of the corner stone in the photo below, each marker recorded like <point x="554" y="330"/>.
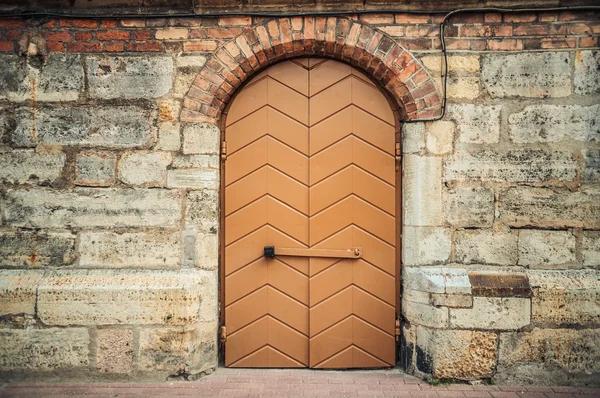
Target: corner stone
<point x="493" y="313"/>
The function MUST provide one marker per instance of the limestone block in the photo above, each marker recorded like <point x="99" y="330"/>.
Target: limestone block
<point x="159" y="249"/>
<point x="415" y="296"/>
<point x="106" y="126"/>
<point x="456" y="280"/>
<point x="18" y="291"/>
<point x="591" y="169"/>
<point x="44" y="349"/>
<point x="207" y="249"/>
<point x="169" y="109"/>
<point x="129" y="77"/>
<point x="587" y="76"/>
<point x="168" y="136"/>
<point x="461" y="354"/>
<point x="513" y="166"/>
<point x="148" y="169"/>
<point x="463" y="87"/>
<point x="201" y="138"/>
<point x="486" y="247"/>
<point x="193" y="178"/>
<point x="179" y="350"/>
<point x="470" y="207"/>
<point x="14" y="80"/>
<point x="476" y="124"/>
<point x="183" y="82"/>
<point x="425" y="245"/>
<point x="565" y="298"/>
<point x="61" y="78"/>
<point x="110" y="297"/>
<point x="552" y="123"/>
<point x="591" y="248"/>
<point x="554" y="208"/>
<point x="209" y="306"/>
<point x="33" y="250"/>
<point x="456" y="63"/>
<point x="203" y="210"/>
<point x="196" y="162"/>
<point x="191" y="61"/>
<point x="27" y="166"/>
<point x="92" y="207"/>
<point x="115" y="351"/>
<point x="497" y="313"/>
<point x="451" y="300"/>
<point x="413" y="137"/>
<point x="422" y="191"/>
<point x="546" y="249"/>
<point x="430" y="280"/>
<point x="95" y="169"/>
<point x="440" y="136"/>
<point x="425" y="314"/>
<point x="534" y="75"/>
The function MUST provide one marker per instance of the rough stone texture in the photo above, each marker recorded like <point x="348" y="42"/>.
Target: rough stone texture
<point x="159" y="249"/>
<point x="191" y="61"/>
<point x="129" y="77"/>
<point x="18" y="291"/>
<point x="32" y="250"/>
<point x="591" y="168"/>
<point x="553" y="208"/>
<point x="591" y="249"/>
<point x="14" y="84"/>
<point x="456" y="63"/>
<point x="61" y="78"/>
<point x="552" y="123"/>
<point x="169" y="109"/>
<point x="425" y="245"/>
<point x="470" y="207"/>
<point x="107" y="297"/>
<point x="27" y="166"/>
<point x="168" y="136"/>
<point x="183" y="82"/>
<point x="436" y="280"/>
<point x="179" y="350"/>
<point x="207" y="249"/>
<point x="512" y="166"/>
<point x="413" y="137"/>
<point x="43" y="349"/>
<point x="587" y="75"/>
<point x="549" y="357"/>
<point x="460" y="354"/>
<point x="425" y="314"/>
<point x="440" y="136"/>
<point x="546" y="249"/>
<point x="422" y="191"/>
<point x="463" y="87"/>
<point x="496" y="313"/>
<point x="565" y="298"/>
<point x="203" y="210"/>
<point x="196" y="162"/>
<point x="201" y="139"/>
<point x="148" y="169"/>
<point x="451" y="300"/>
<point x="193" y="179"/>
<point x="486" y="247"/>
<point x="95" y="169"/>
<point x="115" y="351"/>
<point x="476" y="124"/>
<point x="114" y="127"/>
<point x="535" y="75"/>
<point x="89" y="207"/>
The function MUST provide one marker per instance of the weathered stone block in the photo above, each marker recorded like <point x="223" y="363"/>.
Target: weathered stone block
<point x="183" y="82"/>
<point x="114" y="127"/>
<point x="27" y="166"/>
<point x="553" y="208"/>
<point x="476" y="124"/>
<point x="95" y="169"/>
<point x="193" y="178"/>
<point x="486" y="247"/>
<point x="497" y="313"/>
<point x="196" y="162"/>
<point x="430" y="280"/>
<point x="203" y="210"/>
<point x="470" y="207"/>
<point x="451" y="300"/>
<point x="18" y="291"/>
<point x="89" y="207"/>
<point x="109" y="297"/>
<point x="552" y="123"/>
<point x="159" y="249"/>
<point x="456" y="280"/>
<point x="179" y="350"/>
<point x="456" y="63"/>
<point x="61" y="78"/>
<point x="536" y="75"/>
<point x="148" y="169"/>
<point x="499" y="284"/>
<point x="513" y="166"/>
<point x="591" y="248"/>
<point x="191" y="61"/>
<point x="463" y="87"/>
<point x="591" y="168"/>
<point x="169" y="109"/>
<point x="546" y="249"/>
<point x="565" y="298"/>
<point x="461" y="354"/>
<point x="129" y="77"/>
<point x="425" y="314"/>
<point x="587" y="76"/>
<point x="43" y="349"/>
<point x="201" y="138"/>
<point x="115" y="351"/>
<point x="425" y="245"/>
<point x="32" y="250"/>
<point x="413" y="137"/>
<point x="14" y="80"/>
<point x="440" y="137"/>
<point x="207" y="249"/>
<point x="422" y="191"/>
<point x="168" y="136"/>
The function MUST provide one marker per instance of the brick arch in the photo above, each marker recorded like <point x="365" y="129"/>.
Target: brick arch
<point x="368" y="49"/>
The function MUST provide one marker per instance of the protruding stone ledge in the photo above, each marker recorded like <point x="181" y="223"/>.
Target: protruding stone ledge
<point x="492" y="284"/>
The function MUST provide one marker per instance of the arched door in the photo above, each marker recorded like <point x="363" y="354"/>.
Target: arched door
<point x="310" y="171"/>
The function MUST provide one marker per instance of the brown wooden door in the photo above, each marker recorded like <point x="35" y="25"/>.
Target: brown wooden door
<point x="310" y="164"/>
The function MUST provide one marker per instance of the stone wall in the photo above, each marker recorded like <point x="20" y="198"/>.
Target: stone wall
<point x="109" y="199"/>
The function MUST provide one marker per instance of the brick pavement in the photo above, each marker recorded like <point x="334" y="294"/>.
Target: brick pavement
<point x="292" y="383"/>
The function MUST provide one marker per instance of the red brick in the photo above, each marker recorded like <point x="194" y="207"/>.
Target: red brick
<point x="580" y="29"/>
<point x="503" y="30"/>
<point x="468" y="18"/>
<point x="558" y="30"/>
<point x="531" y="30"/>
<point x="115" y="46"/>
<point x="273" y="28"/>
<point x="377" y="18"/>
<point x="532" y="44"/>
<point x="79" y="23"/>
<point x="518" y="17"/>
<point x="145" y="46"/>
<point x="588" y="42"/>
<point x="108" y="23"/>
<point x="191" y="22"/>
<point x="548" y="16"/>
<point x="51" y="24"/>
<point x="223" y="33"/>
<point x="475" y="31"/>
<point x="57" y="36"/>
<point x="576" y="16"/>
<point x="457" y="44"/>
<point x="84" y="47"/>
<point x="413" y="18"/>
<point x="83" y="36"/>
<point x="55" y="46"/>
<point x="11" y="23"/>
<point x="505" y="44"/>
<point x="113" y="35"/>
<point x="133" y="23"/>
<point x="297" y="23"/>
<point x="477" y="45"/>
<point x="13" y="34"/>
<point x="6" y="46"/>
<point x="156" y="22"/>
<point x="201" y="45"/>
<point x="235" y="21"/>
<point x="422" y="31"/>
<point x="143" y="35"/>
<point x="567" y="42"/>
<point x="492" y="17"/>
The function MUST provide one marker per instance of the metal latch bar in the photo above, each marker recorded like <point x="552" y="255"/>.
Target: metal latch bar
<point x="271" y="251"/>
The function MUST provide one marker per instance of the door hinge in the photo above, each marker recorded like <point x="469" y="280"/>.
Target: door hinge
<point x="223" y="150"/>
<point x="223" y="335"/>
<point x="397" y="330"/>
<point x="398" y="156"/>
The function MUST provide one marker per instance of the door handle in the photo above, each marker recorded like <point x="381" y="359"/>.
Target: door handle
<point x="272" y="251"/>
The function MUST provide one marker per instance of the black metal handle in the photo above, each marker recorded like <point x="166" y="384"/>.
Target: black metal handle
<point x="269" y="251"/>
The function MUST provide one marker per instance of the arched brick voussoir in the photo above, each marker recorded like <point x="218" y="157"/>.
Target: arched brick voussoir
<point x="370" y="50"/>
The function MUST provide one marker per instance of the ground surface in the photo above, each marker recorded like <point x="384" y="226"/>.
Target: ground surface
<point x="292" y="383"/>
